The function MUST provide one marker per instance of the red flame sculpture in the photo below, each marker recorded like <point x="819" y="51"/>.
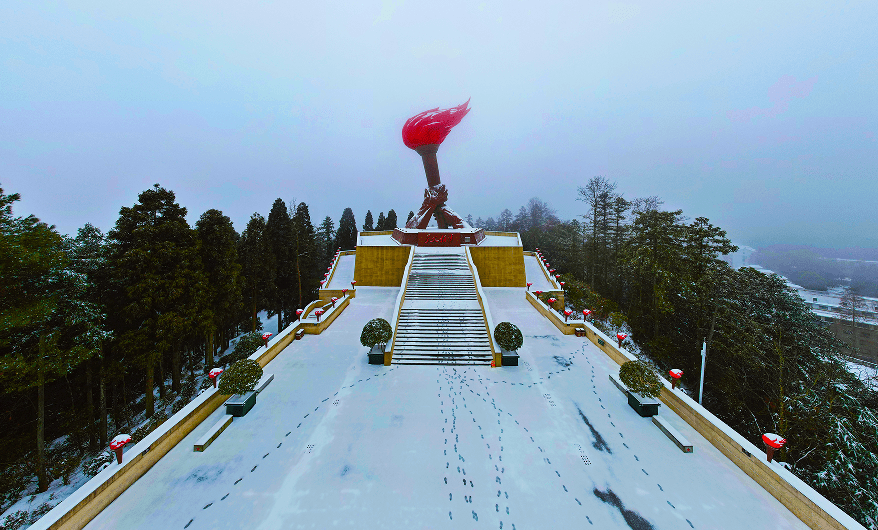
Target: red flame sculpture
<point x="424" y="133"/>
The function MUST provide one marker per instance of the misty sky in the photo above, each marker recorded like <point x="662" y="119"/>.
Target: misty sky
<point x="761" y="116"/>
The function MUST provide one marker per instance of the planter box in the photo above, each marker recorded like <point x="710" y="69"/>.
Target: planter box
<point x="300" y="333"/>
<point x="644" y="406"/>
<point x="509" y="358"/>
<point x="376" y="355"/>
<point x="240" y="404"/>
<point x="580" y="332"/>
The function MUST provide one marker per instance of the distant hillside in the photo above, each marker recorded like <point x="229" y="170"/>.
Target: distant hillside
<point x="820" y="269"/>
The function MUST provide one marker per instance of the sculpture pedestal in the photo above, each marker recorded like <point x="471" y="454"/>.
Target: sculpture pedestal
<point x="436" y="237"/>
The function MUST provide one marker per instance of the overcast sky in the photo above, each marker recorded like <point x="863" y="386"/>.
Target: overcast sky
<point x="761" y="116"/>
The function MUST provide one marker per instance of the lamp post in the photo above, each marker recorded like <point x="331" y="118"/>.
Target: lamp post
<point x="117" y="444"/>
<point x="265" y="337"/>
<point x="299" y="313"/>
<point x="214" y="375"/>
<point x="333" y="300"/>
<point x="676" y="374"/>
<point x="585" y="313"/>
<point x="567" y="314"/>
<point x="772" y="443"/>
<point x="354" y="285"/>
<point x="344" y="292"/>
<point x="703" y="362"/>
<point x="621" y="337"/>
<point x="528" y="285"/>
<point x="318" y="313"/>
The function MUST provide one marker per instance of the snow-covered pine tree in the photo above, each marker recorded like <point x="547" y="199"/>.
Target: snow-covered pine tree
<point x="368" y="223"/>
<point x="391" y="221"/>
<point x="347" y="231"/>
<point x="256" y="267"/>
<point x="381" y="223"/>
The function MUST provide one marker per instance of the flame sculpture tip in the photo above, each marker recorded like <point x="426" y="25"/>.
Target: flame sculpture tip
<point x="432" y="126"/>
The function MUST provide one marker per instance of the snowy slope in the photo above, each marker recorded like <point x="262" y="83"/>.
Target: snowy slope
<point x="552" y="443"/>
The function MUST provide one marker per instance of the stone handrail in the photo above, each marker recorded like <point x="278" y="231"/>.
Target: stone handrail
<point x="400" y="298"/>
<point x="483" y="303"/>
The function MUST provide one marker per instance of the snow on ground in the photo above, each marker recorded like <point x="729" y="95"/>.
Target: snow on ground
<point x="866" y="374"/>
<point x="334" y="441"/>
<point x="344" y="273"/>
<point x="534" y="274"/>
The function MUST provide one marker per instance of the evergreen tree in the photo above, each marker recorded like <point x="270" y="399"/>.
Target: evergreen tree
<point x="279" y="238"/>
<point x="382" y="222"/>
<point x="367" y="226"/>
<point x="256" y="267"/>
<point x="347" y="231"/>
<point x="48" y="329"/>
<point x="326" y="240"/>
<point x="219" y="256"/>
<point x="305" y="256"/>
<point x="505" y="222"/>
<point x="158" y="282"/>
<point x="89" y="255"/>
<point x="410" y="215"/>
<point x="391" y="222"/>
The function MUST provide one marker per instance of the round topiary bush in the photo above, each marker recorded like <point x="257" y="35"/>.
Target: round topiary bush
<point x="508" y="336"/>
<point x="640" y="378"/>
<point x="240" y="378"/>
<point x="376" y="331"/>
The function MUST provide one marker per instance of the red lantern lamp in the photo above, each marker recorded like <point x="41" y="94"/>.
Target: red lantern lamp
<point x="333" y="300"/>
<point x="318" y="313"/>
<point x="354" y="284"/>
<point x="563" y="284"/>
<point x="676" y="374"/>
<point x="344" y="292"/>
<point x="772" y="443"/>
<point x="214" y="374"/>
<point x="265" y="337"/>
<point x="621" y="337"/>
<point x="551" y="300"/>
<point x="585" y="313"/>
<point x="528" y="285"/>
<point x="567" y="314"/>
<point x="117" y="443"/>
<point x="299" y="313"/>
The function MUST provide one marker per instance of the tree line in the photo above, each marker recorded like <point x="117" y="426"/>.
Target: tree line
<point x="92" y="324"/>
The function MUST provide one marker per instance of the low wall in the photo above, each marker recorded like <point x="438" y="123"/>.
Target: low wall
<point x="807" y="504"/>
<point x="85" y="503"/>
<point x="499" y="266"/>
<point x="380" y="266"/>
<point x="496" y="354"/>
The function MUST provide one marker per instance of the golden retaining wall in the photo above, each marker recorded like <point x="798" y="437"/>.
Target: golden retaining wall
<point x="135" y="465"/>
<point x="381" y="266"/>
<point x="721" y="436"/>
<point x="499" y="266"/>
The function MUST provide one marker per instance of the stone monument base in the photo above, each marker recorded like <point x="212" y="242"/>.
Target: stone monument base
<point x="437" y="237"/>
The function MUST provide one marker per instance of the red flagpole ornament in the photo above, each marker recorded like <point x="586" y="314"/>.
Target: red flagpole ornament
<point x="117" y="443"/>
<point x="772" y="443"/>
<point x="214" y="374"/>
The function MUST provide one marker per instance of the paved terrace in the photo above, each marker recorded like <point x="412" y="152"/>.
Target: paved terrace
<point x="335" y="442"/>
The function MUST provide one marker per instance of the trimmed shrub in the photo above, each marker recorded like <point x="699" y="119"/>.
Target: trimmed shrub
<point x="376" y="331"/>
<point x="240" y="378"/>
<point x="245" y="347"/>
<point x="508" y="336"/>
<point x="640" y="378"/>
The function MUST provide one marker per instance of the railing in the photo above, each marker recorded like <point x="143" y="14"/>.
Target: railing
<point x="400" y="298"/>
<point x="483" y="303"/>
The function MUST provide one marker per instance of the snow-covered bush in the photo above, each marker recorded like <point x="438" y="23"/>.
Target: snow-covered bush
<point x="98" y="463"/>
<point x="241" y="377"/>
<point x="245" y="347"/>
<point x="508" y="336"/>
<point x="376" y="331"/>
<point x="188" y="388"/>
<point x="640" y="378"/>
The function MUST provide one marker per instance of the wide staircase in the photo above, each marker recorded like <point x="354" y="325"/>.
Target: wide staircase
<point x="441" y="321"/>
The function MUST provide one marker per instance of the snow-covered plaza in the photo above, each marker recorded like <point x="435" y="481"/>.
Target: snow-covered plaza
<point x="552" y="443"/>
